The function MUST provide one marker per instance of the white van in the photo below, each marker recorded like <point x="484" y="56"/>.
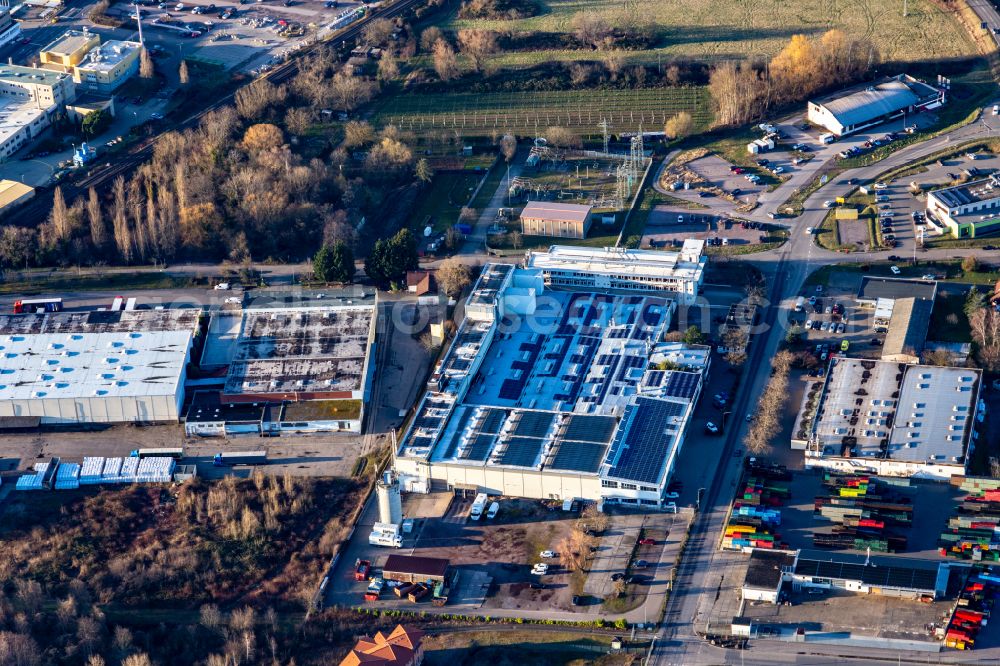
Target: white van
<point x="800" y="304"/>
<point x="827" y="139"/>
<point x="492" y="513"/>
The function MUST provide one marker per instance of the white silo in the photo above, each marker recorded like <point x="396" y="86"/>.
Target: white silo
<point x="390" y="502"/>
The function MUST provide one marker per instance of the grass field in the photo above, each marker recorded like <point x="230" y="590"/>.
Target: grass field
<point x="528" y="112"/>
<point x="442" y="202"/>
<point x="719" y="31"/>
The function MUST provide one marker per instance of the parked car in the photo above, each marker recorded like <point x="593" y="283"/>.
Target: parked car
<point x="647" y="541"/>
<point x="895" y="269"/>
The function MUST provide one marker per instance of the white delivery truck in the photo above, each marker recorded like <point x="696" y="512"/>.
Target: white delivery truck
<point x="492" y="513"/>
<point x="478" y="506"/>
<point x="386" y="534"/>
<point x="827" y="139"/>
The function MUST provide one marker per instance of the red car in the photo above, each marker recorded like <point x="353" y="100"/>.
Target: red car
<point x="647" y="542"/>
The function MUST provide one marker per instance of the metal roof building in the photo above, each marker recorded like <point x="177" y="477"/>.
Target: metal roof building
<point x="851" y="111"/>
<point x="569" y="404"/>
<point x="93" y="368"/>
<point x="907" y="332"/>
<point x="893" y="419"/>
<point x="545" y="218"/>
<point x="874" y="287"/>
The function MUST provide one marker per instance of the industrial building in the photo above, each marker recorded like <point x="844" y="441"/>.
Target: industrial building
<point x="13" y="194"/>
<point x="874" y="288"/>
<point x="891" y="419"/>
<point x="968" y="210"/>
<point x="307" y="352"/>
<point x="907" y="578"/>
<point x="105" y="68"/>
<point x="564" y="405"/>
<point x="30" y="98"/>
<point x="95" y="367"/>
<point x="543" y="218"/>
<point x="677" y="275"/>
<point x="907" y="331"/>
<point x="95" y="67"/>
<point x="853" y="110"/>
<point x="68" y="49"/>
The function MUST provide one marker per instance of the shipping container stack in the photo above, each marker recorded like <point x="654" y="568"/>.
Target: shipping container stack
<point x="865" y="509"/>
<point x="972" y="611"/>
<point x="755" y="513"/>
<point x="973" y="532"/>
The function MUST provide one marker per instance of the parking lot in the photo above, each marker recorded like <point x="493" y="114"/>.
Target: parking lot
<point x="668" y="227"/>
<point x="494" y="558"/>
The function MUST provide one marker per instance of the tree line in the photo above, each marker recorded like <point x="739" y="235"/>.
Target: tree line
<point x="742" y="92"/>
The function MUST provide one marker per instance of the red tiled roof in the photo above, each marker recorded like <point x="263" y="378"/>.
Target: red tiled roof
<point x="396" y="649"/>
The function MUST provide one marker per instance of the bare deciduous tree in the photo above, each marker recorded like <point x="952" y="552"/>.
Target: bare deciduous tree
<point x="445" y="62"/>
<point x="477" y="44"/>
<point x="453" y="276"/>
<point x="98" y="232"/>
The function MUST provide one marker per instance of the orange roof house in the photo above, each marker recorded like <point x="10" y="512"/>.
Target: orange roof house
<point x="399" y="648"/>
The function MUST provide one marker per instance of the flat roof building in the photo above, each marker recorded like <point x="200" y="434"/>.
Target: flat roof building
<point x="30" y="98"/>
<point x="286" y="346"/>
<point x="68" y="49"/>
<point x="874" y="288"/>
<point x="765" y="574"/>
<point x="96" y="367"/>
<point x="675" y="274"/>
<point x="968" y="210"/>
<point x="9" y="28"/>
<point x="567" y="404"/>
<point x="891" y="419"/>
<point x="105" y="68"/>
<point x="855" y="109"/>
<point x="544" y="218"/>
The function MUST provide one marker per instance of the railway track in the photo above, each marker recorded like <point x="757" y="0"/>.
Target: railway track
<point x="36" y="211"/>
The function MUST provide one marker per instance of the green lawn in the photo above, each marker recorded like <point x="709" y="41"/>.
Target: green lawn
<point x="443" y="201"/>
<point x="525" y="113"/>
<point x="705" y="30"/>
<point x="66" y="281"/>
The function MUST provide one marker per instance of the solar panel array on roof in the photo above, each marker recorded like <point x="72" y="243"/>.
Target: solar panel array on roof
<point x="902" y="576"/>
<point x="521" y="451"/>
<point x="533" y="424"/>
<point x="480" y="449"/>
<point x="641" y="444"/>
<point x="589" y="428"/>
<point x="579" y="456"/>
<point x="681" y="384"/>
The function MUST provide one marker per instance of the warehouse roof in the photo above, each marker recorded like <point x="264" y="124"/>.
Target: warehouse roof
<point x="908" y="327"/>
<point x="765" y="569"/>
<point x="687" y="264"/>
<point x="873" y="102"/>
<point x="964" y="194"/>
<point x="321" y="346"/>
<point x="874" y="287"/>
<point x="887" y="572"/>
<point x="559" y="212"/>
<point x="11" y="191"/>
<point x="415" y="565"/>
<point x="70" y="42"/>
<point x="48" y="366"/>
<point x="97" y="321"/>
<point x="883" y="409"/>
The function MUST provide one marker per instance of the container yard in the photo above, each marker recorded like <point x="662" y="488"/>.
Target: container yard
<point x="866" y="511"/>
<point x="973" y="532"/>
<point x="755" y="513"/>
<point x="972" y="611"/>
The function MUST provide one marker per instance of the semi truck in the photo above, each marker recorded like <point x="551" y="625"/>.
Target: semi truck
<point x="478" y="506"/>
<point x="32" y="305"/>
<point x="230" y="458"/>
<point x="176" y="454"/>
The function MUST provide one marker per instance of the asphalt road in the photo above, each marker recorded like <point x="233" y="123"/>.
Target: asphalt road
<point x="786" y="268"/>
